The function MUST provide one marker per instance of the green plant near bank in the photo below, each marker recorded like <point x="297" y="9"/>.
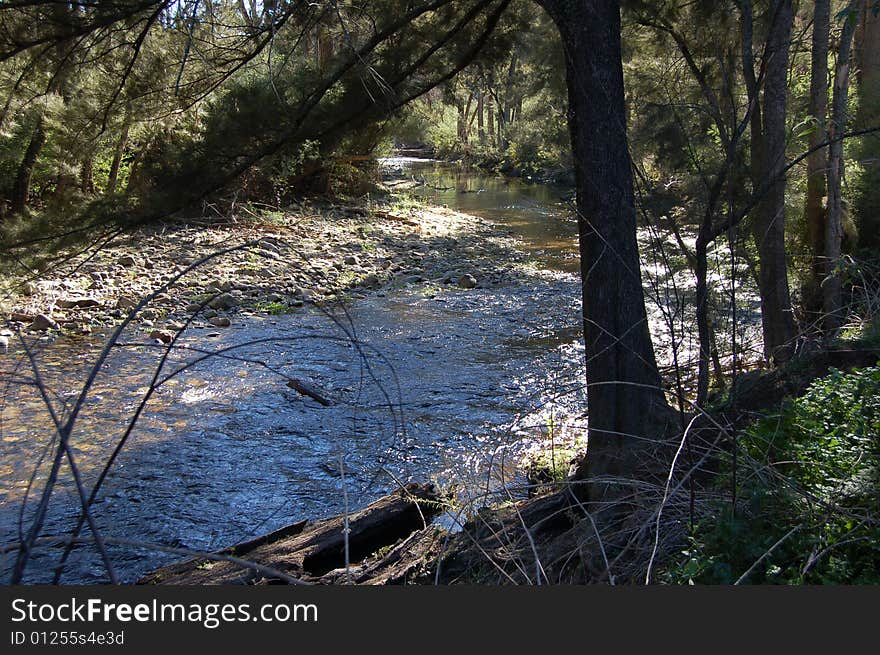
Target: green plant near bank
<point x="808" y="509"/>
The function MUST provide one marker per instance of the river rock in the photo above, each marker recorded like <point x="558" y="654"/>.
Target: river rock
<point x="165" y="336"/>
<point x="467" y="281"/>
<point x="126" y="261"/>
<point x="78" y="303"/>
<point x="352" y="260"/>
<point x="126" y="303"/>
<point x="30" y="289"/>
<point x="42" y="322"/>
<point x="220" y="321"/>
<point x="222" y="302"/>
<point x="221" y="285"/>
<point x="370" y="280"/>
<point x="21" y="317"/>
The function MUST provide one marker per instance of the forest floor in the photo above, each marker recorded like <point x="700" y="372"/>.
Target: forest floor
<point x="311" y="252"/>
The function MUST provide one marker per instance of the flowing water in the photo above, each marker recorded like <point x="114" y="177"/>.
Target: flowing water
<point x="452" y="386"/>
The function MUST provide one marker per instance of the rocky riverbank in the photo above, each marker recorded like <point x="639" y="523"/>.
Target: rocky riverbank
<point x="311" y="252"/>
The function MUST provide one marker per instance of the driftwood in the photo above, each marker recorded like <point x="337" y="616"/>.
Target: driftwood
<point x="308" y="390"/>
<point x="383" y="533"/>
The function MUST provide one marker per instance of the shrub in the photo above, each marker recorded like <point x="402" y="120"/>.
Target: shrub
<point x="808" y="496"/>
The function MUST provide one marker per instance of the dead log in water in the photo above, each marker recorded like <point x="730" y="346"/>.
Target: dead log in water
<point x="314" y="551"/>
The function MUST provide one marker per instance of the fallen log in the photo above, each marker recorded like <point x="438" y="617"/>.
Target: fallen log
<point x="307" y="390"/>
<point x="314" y="551"/>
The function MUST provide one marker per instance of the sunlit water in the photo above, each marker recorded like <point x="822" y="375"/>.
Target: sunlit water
<point x="450" y="385"/>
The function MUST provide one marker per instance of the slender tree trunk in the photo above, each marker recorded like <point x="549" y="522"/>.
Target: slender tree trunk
<point x="21" y="188"/>
<point x="508" y="95"/>
<point x="481" y="130"/>
<point x="461" y="125"/>
<point x="118" y="154"/>
<point x="490" y="119"/>
<point x="768" y="162"/>
<point x="624" y="395"/>
<point x="467" y="119"/>
<point x="817" y="162"/>
<point x="831" y="288"/>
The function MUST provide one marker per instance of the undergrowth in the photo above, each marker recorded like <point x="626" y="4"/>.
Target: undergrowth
<point x="808" y="494"/>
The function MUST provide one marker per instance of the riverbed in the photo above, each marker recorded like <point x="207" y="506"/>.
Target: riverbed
<point x="427" y="380"/>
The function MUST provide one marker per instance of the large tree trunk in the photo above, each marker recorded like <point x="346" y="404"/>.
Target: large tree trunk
<point x="867" y="54"/>
<point x="814" y="211"/>
<point x="624" y="397"/>
<point x="768" y="163"/>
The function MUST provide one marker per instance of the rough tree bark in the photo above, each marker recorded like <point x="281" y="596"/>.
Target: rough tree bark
<point x="867" y="55"/>
<point x="768" y="131"/>
<point x="814" y="211"/>
<point x="624" y="397"/>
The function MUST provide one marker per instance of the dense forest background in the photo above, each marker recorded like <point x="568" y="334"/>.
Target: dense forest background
<point x="748" y="132"/>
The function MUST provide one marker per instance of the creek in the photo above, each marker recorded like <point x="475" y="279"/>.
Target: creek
<point x="427" y="382"/>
